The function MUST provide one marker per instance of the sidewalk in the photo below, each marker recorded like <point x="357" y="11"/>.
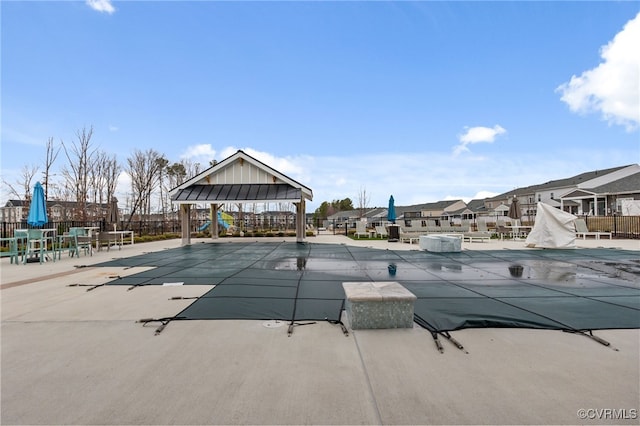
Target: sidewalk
<point x="70" y="356"/>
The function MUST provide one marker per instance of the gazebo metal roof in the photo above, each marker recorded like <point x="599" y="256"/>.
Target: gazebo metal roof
<point x="256" y="192"/>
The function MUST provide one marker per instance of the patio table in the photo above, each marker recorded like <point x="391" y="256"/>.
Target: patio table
<point x="122" y="234"/>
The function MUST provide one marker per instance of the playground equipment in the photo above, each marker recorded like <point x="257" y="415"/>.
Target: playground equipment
<point x="224" y="220"/>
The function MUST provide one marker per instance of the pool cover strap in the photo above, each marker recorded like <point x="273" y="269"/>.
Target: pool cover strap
<point x="163" y="322"/>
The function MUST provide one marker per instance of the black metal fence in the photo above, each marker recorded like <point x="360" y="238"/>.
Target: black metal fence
<point x="623" y="227"/>
<point x="620" y="226"/>
<point x="158" y="227"/>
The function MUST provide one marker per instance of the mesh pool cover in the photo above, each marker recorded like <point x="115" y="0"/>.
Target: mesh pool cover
<point x="582" y="289"/>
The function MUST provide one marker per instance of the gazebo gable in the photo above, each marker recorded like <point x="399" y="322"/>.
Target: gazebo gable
<point x="242" y="169"/>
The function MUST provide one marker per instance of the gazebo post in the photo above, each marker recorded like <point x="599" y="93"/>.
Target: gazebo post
<point x="300" y="221"/>
<point x="185" y="211"/>
<point x="214" y="221"/>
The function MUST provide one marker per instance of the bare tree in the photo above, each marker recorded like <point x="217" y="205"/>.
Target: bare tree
<point x="23" y="192"/>
<point x="51" y="155"/>
<point x="96" y="178"/>
<point x="162" y="171"/>
<point x="13" y="192"/>
<point x="27" y="174"/>
<point x="81" y="156"/>
<point x="363" y="201"/>
<point x="176" y="175"/>
<point x="103" y="177"/>
<point x="191" y="168"/>
<point x="111" y="174"/>
<point x="143" y="169"/>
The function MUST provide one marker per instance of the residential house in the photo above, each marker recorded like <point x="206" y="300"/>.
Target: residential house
<point x="577" y="194"/>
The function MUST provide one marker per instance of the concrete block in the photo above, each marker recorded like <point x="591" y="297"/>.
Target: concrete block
<point x="376" y="305"/>
<point x="440" y="243"/>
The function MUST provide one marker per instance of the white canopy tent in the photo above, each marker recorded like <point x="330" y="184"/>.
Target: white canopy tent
<point x="553" y="228"/>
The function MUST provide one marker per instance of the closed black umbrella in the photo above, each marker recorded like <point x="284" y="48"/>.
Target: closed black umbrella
<point x="515" y="212"/>
<point x="112" y="218"/>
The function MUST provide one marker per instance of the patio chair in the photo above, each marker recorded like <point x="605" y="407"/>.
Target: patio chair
<point x="79" y="239"/>
<point x="503" y="231"/>
<point x="361" y="229"/>
<point x="108" y="239"/>
<point x="36" y="245"/>
<point x="21" y="236"/>
<point x="11" y="251"/>
<point x="583" y="230"/>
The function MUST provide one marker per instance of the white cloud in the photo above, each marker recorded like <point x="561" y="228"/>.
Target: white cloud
<point x="201" y="153"/>
<point x="101" y="6"/>
<point x="113" y="128"/>
<point x="289" y="166"/>
<point x="466" y="198"/>
<point x="484" y="194"/>
<point x="478" y="134"/>
<point x="611" y="88"/>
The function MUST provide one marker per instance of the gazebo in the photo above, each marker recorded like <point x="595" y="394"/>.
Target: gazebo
<point x="240" y="179"/>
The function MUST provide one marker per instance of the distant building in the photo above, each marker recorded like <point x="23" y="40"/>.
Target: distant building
<point x="15" y="211"/>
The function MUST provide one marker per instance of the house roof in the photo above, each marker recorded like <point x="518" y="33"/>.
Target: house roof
<point x="559" y="183"/>
<point x="628" y="184"/>
<point x="438" y="205"/>
<point x="476" y="205"/>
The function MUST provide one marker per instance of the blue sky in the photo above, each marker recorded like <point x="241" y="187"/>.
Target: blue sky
<point x="422" y="100"/>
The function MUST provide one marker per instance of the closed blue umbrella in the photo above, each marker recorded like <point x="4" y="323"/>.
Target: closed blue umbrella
<point x="38" y="209"/>
<point x="391" y="212"/>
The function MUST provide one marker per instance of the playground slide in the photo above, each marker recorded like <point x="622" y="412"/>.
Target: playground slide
<point x="204" y="226"/>
<point x="224" y="221"/>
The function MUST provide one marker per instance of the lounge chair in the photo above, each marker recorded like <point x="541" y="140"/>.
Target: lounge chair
<point x="381" y="231"/>
<point x="481" y="234"/>
<point x="583" y="230"/>
<point x="361" y="229"/>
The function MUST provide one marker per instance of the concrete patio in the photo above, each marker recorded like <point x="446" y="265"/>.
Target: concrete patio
<point x="71" y="356"/>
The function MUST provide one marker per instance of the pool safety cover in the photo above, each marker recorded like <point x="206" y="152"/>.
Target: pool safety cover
<point x="580" y="289"/>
